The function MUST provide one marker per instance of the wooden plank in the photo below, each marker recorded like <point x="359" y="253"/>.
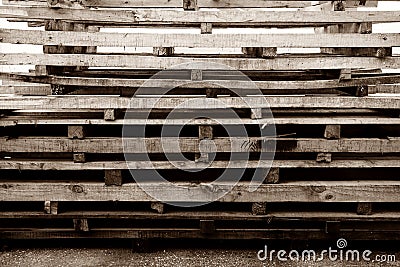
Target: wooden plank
<point x="115" y="102"/>
<point x="279" y="216"/>
<point x="151" y="62"/>
<point x="217" y="17"/>
<point x="113" y="177"/>
<point x="164" y="41"/>
<point x="383" y="81"/>
<point x="321" y="191"/>
<point x="31" y="89"/>
<point x="38" y="164"/>
<point x="363" y="119"/>
<point x="191" y="145"/>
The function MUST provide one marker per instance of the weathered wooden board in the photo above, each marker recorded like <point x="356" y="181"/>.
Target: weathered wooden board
<point x="172" y="3"/>
<point x="115" y="102"/>
<point x="108" y="39"/>
<point x="321" y="191"/>
<point x="191" y="145"/>
<point x="238" y="63"/>
<point x="217" y="17"/>
<point x="143" y="165"/>
<point x="228" y="83"/>
<point x="307" y="119"/>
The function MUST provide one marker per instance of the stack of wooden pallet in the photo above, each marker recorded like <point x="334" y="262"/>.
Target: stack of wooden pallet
<point x="319" y="67"/>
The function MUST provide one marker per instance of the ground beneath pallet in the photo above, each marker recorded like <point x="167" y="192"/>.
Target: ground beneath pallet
<point x="168" y="257"/>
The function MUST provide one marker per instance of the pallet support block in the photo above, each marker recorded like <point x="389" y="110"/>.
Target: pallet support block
<point x="272" y="176"/>
<point x="259" y="208"/>
<point x="163" y="51"/>
<point x="264" y="52"/>
<point x="158" y="207"/>
<point x="51" y="207"/>
<point x="113" y="177"/>
<point x="205" y="133"/>
<point x="256" y="113"/>
<point x="196" y="75"/>
<point x="206" y="28"/>
<point x="76" y="132"/>
<point x="81" y="225"/>
<point x="111" y="114"/>
<point x="332" y="131"/>
<point x="364" y="208"/>
<point x="207" y="226"/>
<point x="190" y="5"/>
<point x="324" y="157"/>
<point x="332" y="227"/>
<point x="79" y="157"/>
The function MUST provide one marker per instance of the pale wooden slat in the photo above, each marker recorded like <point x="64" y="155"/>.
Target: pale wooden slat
<point x="187" y="165"/>
<point x="68" y="38"/>
<point x="115" y="102"/>
<point x="172" y="3"/>
<point x="151" y="62"/>
<point x="229" y="83"/>
<point x="191" y="145"/>
<point x="299" y="120"/>
<point x="321" y="191"/>
<point x="222" y="16"/>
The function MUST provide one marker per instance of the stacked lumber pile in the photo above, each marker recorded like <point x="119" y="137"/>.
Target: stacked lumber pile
<point x="307" y="82"/>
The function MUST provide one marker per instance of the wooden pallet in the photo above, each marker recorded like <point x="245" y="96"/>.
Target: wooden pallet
<point x="336" y="141"/>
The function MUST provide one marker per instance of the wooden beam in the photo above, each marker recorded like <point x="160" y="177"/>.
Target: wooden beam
<point x="174" y="3"/>
<point x="115" y="102"/>
<point x="307" y="119"/>
<point x="307" y="191"/>
<point x="151" y="62"/>
<point x="221" y="16"/>
<point x="273" y="176"/>
<point x="191" y="145"/>
<point x="196" y="75"/>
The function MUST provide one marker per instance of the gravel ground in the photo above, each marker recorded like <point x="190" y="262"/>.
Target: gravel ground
<point x="176" y="253"/>
<point x="167" y="257"/>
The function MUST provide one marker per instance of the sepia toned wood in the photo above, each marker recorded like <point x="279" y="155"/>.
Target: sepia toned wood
<point x="111" y="114"/>
<point x="39" y="164"/>
<point x="385" y="83"/>
<point x="273" y="175"/>
<point x="76" y="132"/>
<point x="51" y="207"/>
<point x="364" y="208"/>
<point x="332" y="131"/>
<point x="181" y="103"/>
<point x="207" y="227"/>
<point x="345" y="74"/>
<point x="205" y="28"/>
<point x="158" y="207"/>
<point x="151" y="62"/>
<point x="191" y="145"/>
<point x="324" y="157"/>
<point x="81" y="225"/>
<point x="79" y="157"/>
<point x="174" y="3"/>
<point x="206" y="132"/>
<point x="218" y="17"/>
<point x="190" y="4"/>
<point x="113" y="177"/>
<point x="304" y="191"/>
<point x="256" y="113"/>
<point x="163" y="51"/>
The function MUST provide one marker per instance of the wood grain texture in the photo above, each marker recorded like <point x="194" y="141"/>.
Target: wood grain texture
<point x="122" y="165"/>
<point x="388" y="83"/>
<point x="75" y="38"/>
<point x="185" y="103"/>
<point x="191" y="145"/>
<point x="217" y="17"/>
<point x="238" y="63"/>
<point x="329" y="191"/>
